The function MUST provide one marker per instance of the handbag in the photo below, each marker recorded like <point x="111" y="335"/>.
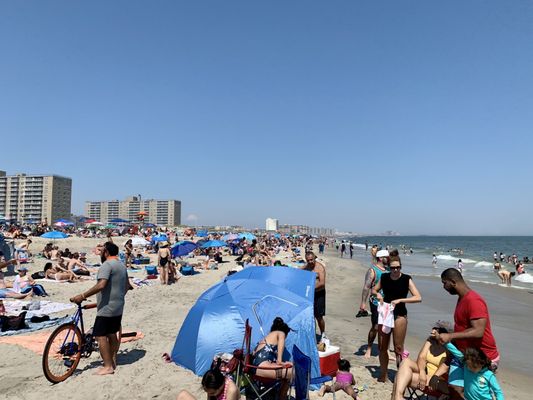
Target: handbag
<point x="12" y="323"/>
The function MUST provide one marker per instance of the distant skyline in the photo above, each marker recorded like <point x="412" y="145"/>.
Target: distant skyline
<point x="412" y="117"/>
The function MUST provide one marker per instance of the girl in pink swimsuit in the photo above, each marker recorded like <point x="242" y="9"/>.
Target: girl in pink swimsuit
<point x="217" y="387"/>
<point x="343" y="381"/>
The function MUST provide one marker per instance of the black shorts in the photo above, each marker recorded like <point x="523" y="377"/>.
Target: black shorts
<point x="104" y="326"/>
<point x="373" y="313"/>
<point x="320" y="304"/>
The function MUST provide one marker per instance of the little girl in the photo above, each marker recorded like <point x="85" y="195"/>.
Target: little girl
<point x="343" y="381"/>
<point x="480" y="383"/>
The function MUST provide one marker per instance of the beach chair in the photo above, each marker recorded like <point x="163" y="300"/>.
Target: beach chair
<point x="302" y="375"/>
<point x="426" y="394"/>
<point x="255" y="387"/>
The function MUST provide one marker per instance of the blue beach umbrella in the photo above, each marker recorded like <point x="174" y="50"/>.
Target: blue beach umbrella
<point x="160" y="238"/>
<point x="149" y="225"/>
<point x="54" y="235"/>
<point x="182" y="248"/>
<point x="64" y="221"/>
<point x="213" y="243"/>
<point x="118" y="221"/>
<point x="248" y="236"/>
<point x="230" y="237"/>
<point x="215" y="324"/>
<point x="201" y="233"/>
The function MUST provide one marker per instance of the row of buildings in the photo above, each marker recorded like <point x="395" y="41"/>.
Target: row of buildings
<point x="272" y="225"/>
<point x="35" y="198"/>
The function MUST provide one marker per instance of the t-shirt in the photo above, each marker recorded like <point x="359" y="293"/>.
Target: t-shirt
<point x="472" y="306"/>
<point x="111" y="298"/>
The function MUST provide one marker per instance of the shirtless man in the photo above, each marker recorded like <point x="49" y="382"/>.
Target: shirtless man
<point x="320" y="289"/>
<point x="372" y="277"/>
<point x="74" y="263"/>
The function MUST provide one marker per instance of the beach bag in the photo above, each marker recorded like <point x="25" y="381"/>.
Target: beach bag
<point x="38" y="275"/>
<point x="82" y="272"/>
<point x="151" y="270"/>
<point x="12" y="323"/>
<point x="187" y="270"/>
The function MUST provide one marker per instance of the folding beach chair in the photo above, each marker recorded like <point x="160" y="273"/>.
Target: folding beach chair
<point x="256" y="387"/>
<point x="426" y="394"/>
<point x="302" y="375"/>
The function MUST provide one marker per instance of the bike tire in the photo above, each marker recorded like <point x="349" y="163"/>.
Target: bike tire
<point x="58" y="366"/>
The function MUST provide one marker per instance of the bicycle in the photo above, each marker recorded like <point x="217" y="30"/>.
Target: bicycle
<point x="66" y="345"/>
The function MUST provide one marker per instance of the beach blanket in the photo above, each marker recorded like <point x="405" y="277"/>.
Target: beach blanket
<point x="34" y="326"/>
<point x="45" y="307"/>
<point x="36" y="341"/>
<point x="52" y="280"/>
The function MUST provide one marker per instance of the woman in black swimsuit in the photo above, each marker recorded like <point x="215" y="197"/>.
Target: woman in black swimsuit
<point x="163" y="258"/>
<point x="396" y="287"/>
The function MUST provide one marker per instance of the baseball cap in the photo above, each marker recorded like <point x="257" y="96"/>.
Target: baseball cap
<point x="22" y="269"/>
<point x="382" y="253"/>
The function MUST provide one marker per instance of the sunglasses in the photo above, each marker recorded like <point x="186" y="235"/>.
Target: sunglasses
<point x="395" y="268"/>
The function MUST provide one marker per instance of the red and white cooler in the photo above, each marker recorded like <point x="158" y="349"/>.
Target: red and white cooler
<point x="328" y="360"/>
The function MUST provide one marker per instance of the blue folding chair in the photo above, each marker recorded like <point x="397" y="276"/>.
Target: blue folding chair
<point x="302" y="375"/>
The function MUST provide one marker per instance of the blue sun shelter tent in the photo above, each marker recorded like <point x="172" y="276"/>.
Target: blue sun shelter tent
<point x="182" y="248"/>
<point x="215" y="324"/>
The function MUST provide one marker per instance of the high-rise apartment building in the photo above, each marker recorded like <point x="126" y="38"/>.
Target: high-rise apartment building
<point x="271" y="224"/>
<point x="159" y="212"/>
<point x="35" y="197"/>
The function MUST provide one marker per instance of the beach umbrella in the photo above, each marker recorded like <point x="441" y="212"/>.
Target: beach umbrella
<point x="118" y="221"/>
<point x="230" y="237"/>
<point x="149" y="225"/>
<point x="54" y="235"/>
<point x="160" y="238"/>
<point x="201" y="233"/>
<point x="226" y="306"/>
<point x="248" y="236"/>
<point x="183" y="248"/>
<point x="213" y="243"/>
<point x="110" y="226"/>
<point x="139" y="241"/>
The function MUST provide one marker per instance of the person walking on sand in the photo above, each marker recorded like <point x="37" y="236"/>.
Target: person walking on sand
<point x="472" y="326"/>
<point x="320" y="289"/>
<point x="111" y="291"/>
<point x="372" y="277"/>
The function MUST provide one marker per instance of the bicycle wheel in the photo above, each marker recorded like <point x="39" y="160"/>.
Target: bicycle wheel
<point x="62" y="353"/>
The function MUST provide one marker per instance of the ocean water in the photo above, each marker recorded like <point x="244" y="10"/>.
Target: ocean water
<point x="477" y="255"/>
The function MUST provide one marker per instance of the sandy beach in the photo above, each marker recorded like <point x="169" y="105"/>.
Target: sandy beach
<point x="158" y="313"/>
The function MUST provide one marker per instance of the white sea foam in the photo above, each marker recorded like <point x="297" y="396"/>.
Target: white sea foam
<point x="524" y="278"/>
<point x="447" y="257"/>
<point x="483" y="264"/>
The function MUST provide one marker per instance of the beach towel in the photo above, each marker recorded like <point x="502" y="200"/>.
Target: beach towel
<point x="45" y="307"/>
<point x="36" y="341"/>
<point x="386" y="317"/>
<point x="32" y="327"/>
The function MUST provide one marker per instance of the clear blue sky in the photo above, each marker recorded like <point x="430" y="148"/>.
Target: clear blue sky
<point x="414" y="116"/>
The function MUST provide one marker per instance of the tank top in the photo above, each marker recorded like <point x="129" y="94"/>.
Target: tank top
<point x="433" y="362"/>
<point x="393" y="290"/>
<point x="378" y="272"/>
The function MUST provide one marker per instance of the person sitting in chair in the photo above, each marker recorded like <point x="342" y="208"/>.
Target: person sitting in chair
<point x="268" y="355"/>
<point x="428" y="369"/>
<point x="216" y="386"/>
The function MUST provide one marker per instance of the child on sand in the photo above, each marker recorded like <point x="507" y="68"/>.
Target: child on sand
<point x="343" y="381"/>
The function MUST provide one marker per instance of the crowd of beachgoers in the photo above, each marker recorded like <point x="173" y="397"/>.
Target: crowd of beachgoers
<point x="384" y="294"/>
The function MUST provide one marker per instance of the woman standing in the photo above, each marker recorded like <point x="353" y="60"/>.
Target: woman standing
<point x="396" y="287"/>
<point x="163" y="261"/>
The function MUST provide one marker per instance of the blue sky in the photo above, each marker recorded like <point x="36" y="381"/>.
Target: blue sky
<point x="412" y="116"/>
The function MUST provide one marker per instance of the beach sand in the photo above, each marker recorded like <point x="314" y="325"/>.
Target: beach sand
<point x="158" y="313"/>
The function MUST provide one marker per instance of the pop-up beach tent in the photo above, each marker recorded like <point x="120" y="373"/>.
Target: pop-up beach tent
<point x="215" y="324"/>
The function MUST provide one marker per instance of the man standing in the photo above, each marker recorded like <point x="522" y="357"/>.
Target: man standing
<point x="110" y="290"/>
<point x="320" y="289"/>
<point x="472" y="324"/>
<point x="372" y="277"/>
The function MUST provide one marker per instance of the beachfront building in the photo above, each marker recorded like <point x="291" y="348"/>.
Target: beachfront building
<point x="271" y="224"/>
<point x="305" y="230"/>
<point x="35" y="198"/>
<point x="158" y="212"/>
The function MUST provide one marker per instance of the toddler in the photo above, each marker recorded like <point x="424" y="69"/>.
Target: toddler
<point x="343" y="381"/>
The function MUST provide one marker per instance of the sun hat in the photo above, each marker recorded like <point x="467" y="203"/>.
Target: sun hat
<point x="382" y="253"/>
<point x="163" y="243"/>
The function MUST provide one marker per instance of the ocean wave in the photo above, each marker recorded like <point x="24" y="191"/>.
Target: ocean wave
<point x="524" y="278"/>
<point x="447" y="257"/>
<point x="483" y="264"/>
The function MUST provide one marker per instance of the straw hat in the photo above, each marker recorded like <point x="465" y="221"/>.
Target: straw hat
<point x="163" y="243"/>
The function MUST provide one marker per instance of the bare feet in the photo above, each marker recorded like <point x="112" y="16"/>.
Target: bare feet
<point x="368" y="353"/>
<point x="322" y="391"/>
<point x="104" y="371"/>
<point x="383" y="379"/>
